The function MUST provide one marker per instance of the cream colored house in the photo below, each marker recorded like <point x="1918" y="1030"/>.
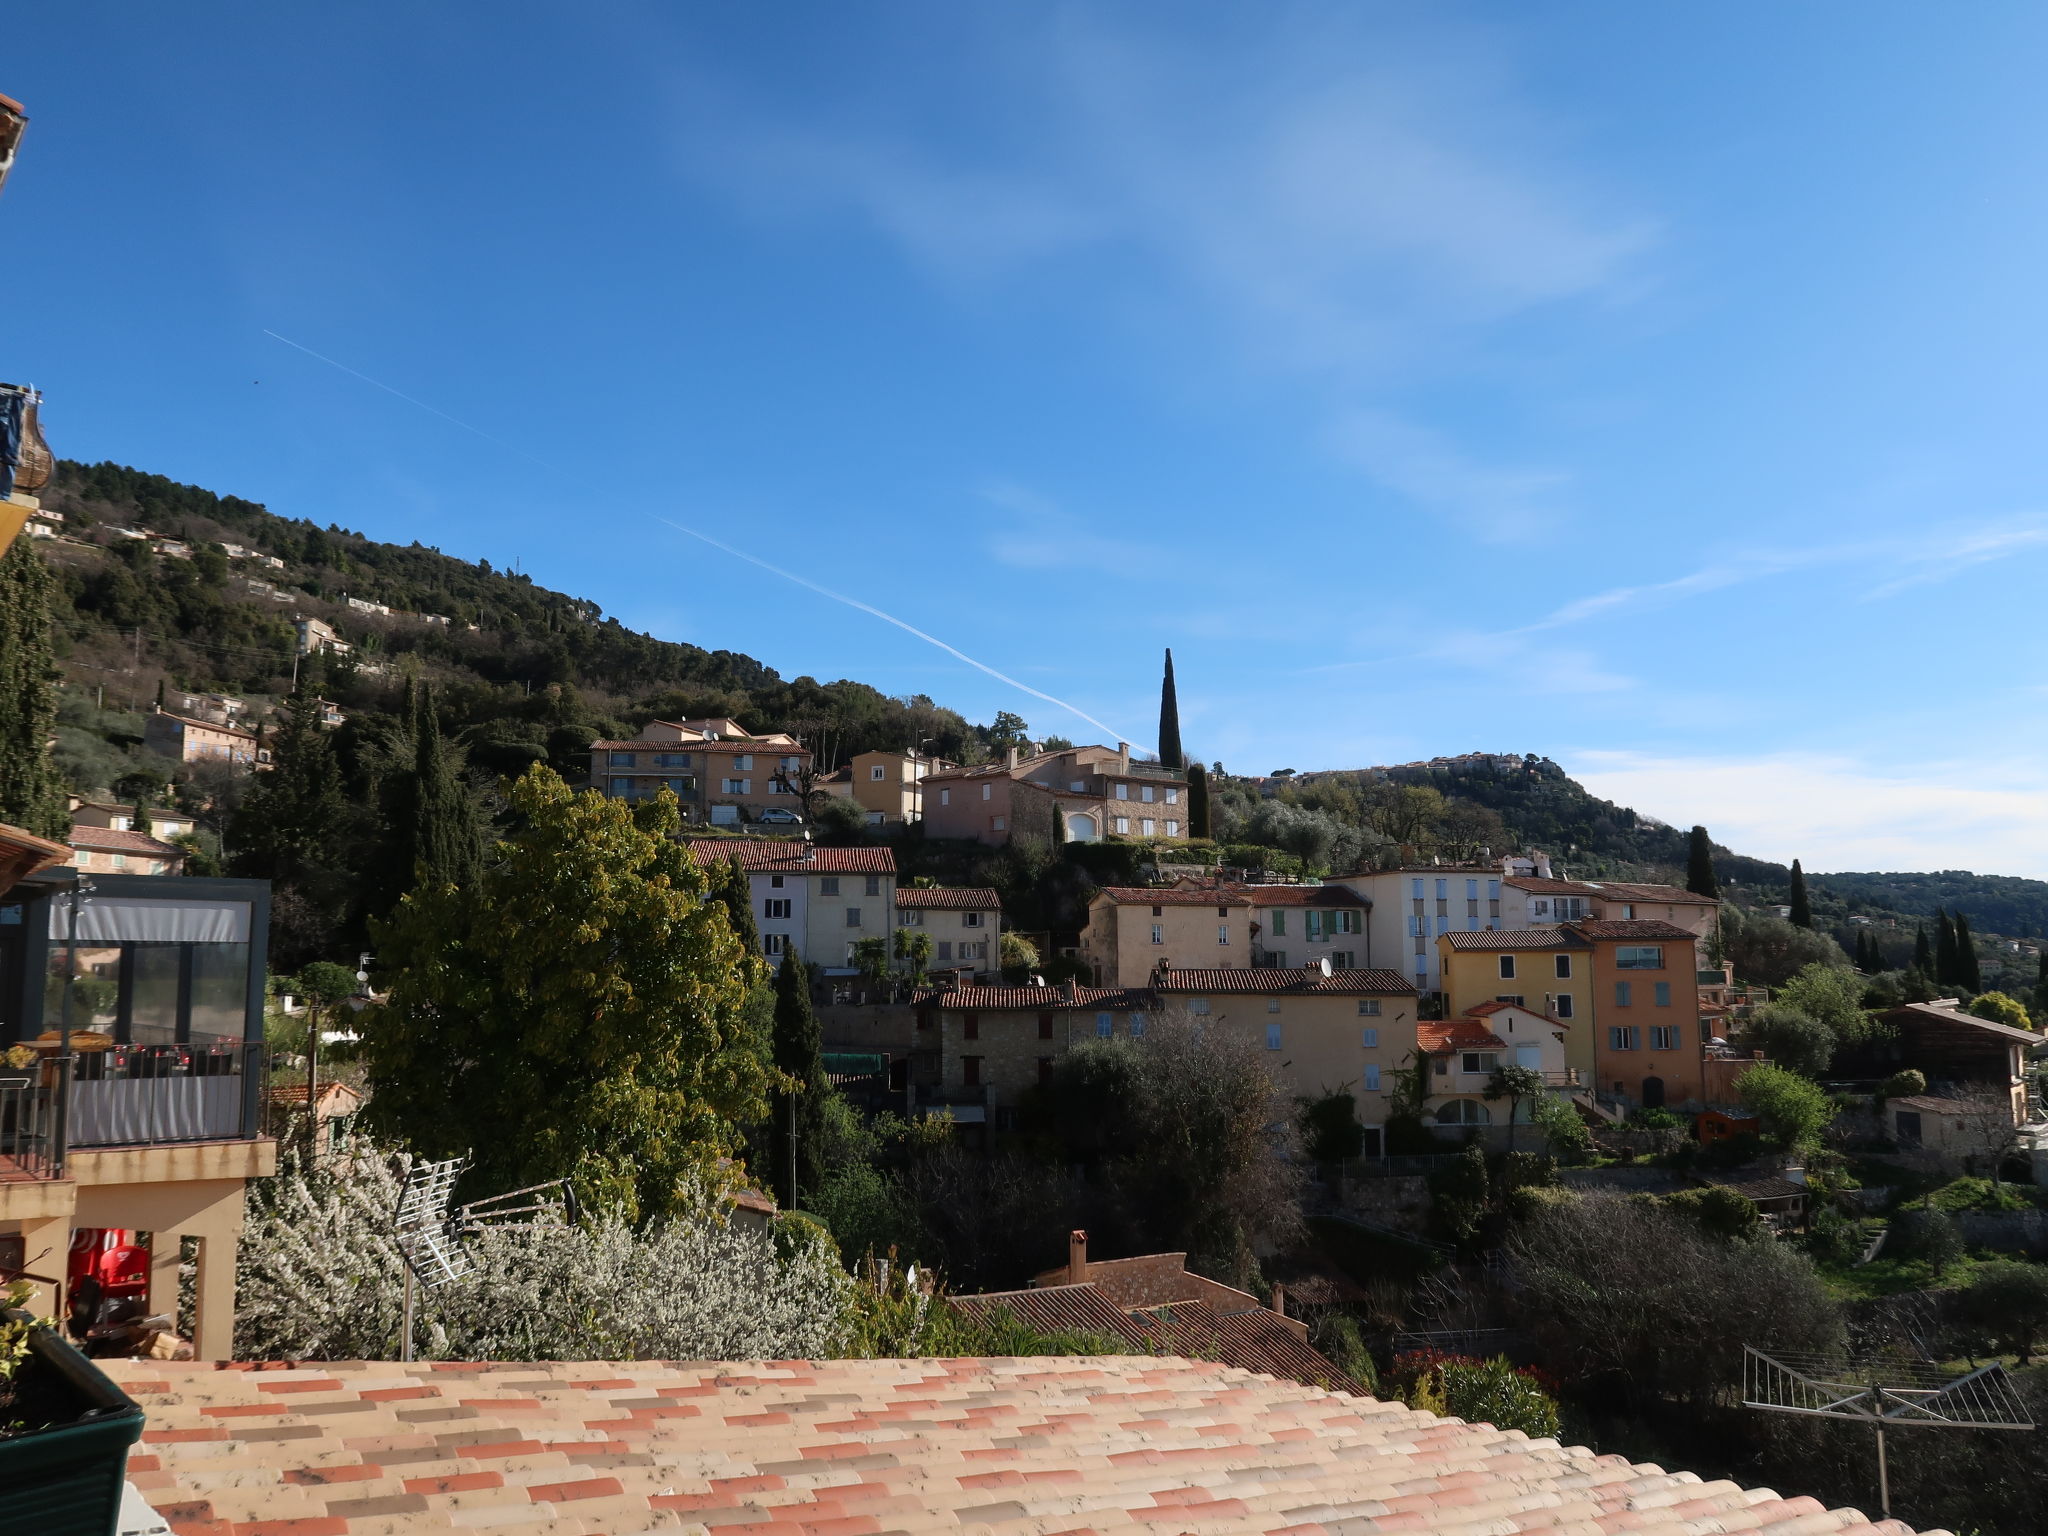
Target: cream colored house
<point x="820" y="902"/>
<point x="889" y="786"/>
<point x="1133" y="930"/>
<point x="965" y="924"/>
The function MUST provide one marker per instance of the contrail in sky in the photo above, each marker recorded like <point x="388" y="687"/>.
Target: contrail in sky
<point x="890" y="618"/>
<point x="408" y="399"/>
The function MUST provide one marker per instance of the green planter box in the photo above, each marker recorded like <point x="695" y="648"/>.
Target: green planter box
<point x="66" y="1480"/>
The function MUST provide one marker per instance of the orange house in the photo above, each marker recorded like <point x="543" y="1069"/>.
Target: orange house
<point x="1647" y="1043"/>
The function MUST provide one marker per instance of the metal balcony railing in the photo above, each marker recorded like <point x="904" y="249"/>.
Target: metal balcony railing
<point x="127" y="1096"/>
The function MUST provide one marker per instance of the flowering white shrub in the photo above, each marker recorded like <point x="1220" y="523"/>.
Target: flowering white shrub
<point x="321" y="1279"/>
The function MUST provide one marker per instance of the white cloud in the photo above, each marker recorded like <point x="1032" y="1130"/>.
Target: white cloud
<point x="1043" y="536"/>
<point x="1496" y="503"/>
<point x="1835" y="812"/>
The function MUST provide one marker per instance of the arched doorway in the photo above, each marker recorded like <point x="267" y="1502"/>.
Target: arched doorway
<point x="1463" y="1112"/>
<point x="1080" y="829"/>
<point x="1653" y="1093"/>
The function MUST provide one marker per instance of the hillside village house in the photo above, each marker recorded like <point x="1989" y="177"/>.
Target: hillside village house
<point x="819" y="901"/>
<point x="1326" y="1031"/>
<point x="722" y="775"/>
<point x="1304" y="924"/>
<point x="1463" y="1054"/>
<point x="202" y="741"/>
<point x="1408" y="909"/>
<point x="1133" y="930"/>
<point x="965" y="923"/>
<point x="319" y="635"/>
<point x="160" y="822"/>
<point x="160" y="1127"/>
<point x="107" y="850"/>
<point x="889" y="786"/>
<point x="1626" y="988"/>
<point x="1094" y="792"/>
<point x="1532" y="901"/>
<point x="1975" y="1070"/>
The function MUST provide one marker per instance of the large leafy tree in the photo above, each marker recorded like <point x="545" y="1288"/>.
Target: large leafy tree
<point x="31" y="790"/>
<point x="580" y="1012"/>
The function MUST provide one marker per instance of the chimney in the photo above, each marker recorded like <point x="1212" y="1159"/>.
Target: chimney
<point x="1123" y="758"/>
<point x="1010" y="758"/>
<point x="1542" y="866"/>
<point x="1077" y="1257"/>
<point x="1280" y="1298"/>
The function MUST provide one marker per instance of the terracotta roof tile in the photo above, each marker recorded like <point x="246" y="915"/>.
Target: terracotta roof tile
<point x="1277" y="978"/>
<point x="1175" y="896"/>
<point x="1626" y="928"/>
<point x="1613" y="890"/>
<point x="1515" y="938"/>
<point x="1042" y="999"/>
<point x="848" y="1446"/>
<point x="1300" y="896"/>
<point x="1435" y="1035"/>
<point x="949" y="898"/>
<point x="110" y="840"/>
<point x="1484" y="1009"/>
<point x="793" y="858"/>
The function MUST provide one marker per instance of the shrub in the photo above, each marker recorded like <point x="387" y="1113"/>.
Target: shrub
<point x="1494" y="1392"/>
<point x="1719" y="1211"/>
<point x="1835" y="1238"/>
<point x="1792" y="1038"/>
<point x="1336" y="1335"/>
<point x="1931" y="1238"/>
<point x="1330" y="1128"/>
<point x="1903" y="1084"/>
<point x="1790" y="1110"/>
<point x="1458" y="1194"/>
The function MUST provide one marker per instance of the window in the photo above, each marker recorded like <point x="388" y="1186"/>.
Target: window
<point x="775" y="882"/>
<point x="1372" y="1077"/>
<point x="1078" y="787"/>
<point x="1223" y="933"/>
<point x="1279" y="924"/>
<point x="1505" y="997"/>
<point x="1493" y="890"/>
<point x="1145" y="793"/>
<point x="970" y="919"/>
<point x="1172" y="827"/>
<point x="1628" y="910"/>
<point x="1507" y="967"/>
<point x="910" y="917"/>
<point x="876" y="773"/>
<point x="1479" y="1061"/>
<point x="744" y="760"/>
<point x="1624" y="1037"/>
<point x="1123" y="824"/>
<point x="1639" y="957"/>
<point x="1158" y="934"/>
<point x="774" y="943"/>
<point x="1471" y="890"/>
<point x="1562" y="1006"/>
<point x="1198" y="1005"/>
<point x="1145" y="827"/>
<point x="1443" y="889"/>
<point x="622" y="787"/>
<point x="1369" y="1038"/>
<point x="945" y="797"/>
<point x="1045" y="1026"/>
<point x="874" y="887"/>
<point x="1564" y="967"/>
<point x="828" y="885"/>
<point x="1662" y="990"/>
<point x="671" y="759"/>
<point x="775" y="907"/>
<point x="621" y="759"/>
<point x="988" y="791"/>
<point x="735" y="786"/>
<point x="1369" y="1008"/>
<point x="1665" y="1037"/>
<point x="1137" y="1026"/>
<point x="853" y="917"/>
<point x="1417" y="884"/>
<point x="1172" y="796"/>
<point x="970" y="1026"/>
<point x="945" y="951"/>
<point x="1123" y="791"/>
<point x="995" y="823"/>
<point x="1624" y="994"/>
<point x="1105" y="1025"/>
<point x="970" y="1071"/>
<point x="1442" y="1066"/>
<point x="1272" y="1037"/>
<point x="679" y="785"/>
<point x="1463" y="1112"/>
<point x="1342" y="960"/>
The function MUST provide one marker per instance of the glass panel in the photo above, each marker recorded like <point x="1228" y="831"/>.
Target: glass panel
<point x="95" y="997"/>
<point x="220" y="991"/>
<point x="153" y="1002"/>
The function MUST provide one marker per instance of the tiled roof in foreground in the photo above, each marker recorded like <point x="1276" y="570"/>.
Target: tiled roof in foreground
<point x="869" y="1447"/>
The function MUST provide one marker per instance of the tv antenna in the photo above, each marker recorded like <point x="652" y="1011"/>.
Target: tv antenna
<point x="1883" y="1393"/>
<point x="430" y="1236"/>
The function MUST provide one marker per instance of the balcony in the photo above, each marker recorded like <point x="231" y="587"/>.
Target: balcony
<point x="125" y="1096"/>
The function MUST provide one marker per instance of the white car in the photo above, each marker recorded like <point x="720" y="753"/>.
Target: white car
<point x="778" y="817"/>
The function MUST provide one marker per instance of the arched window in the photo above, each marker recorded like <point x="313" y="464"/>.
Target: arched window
<point x="1080" y="829"/>
<point x="1463" y="1112"/>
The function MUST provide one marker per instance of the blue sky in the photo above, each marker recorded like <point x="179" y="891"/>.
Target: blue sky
<point x="1653" y="388"/>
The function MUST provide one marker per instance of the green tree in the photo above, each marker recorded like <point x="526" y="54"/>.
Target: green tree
<point x="1791" y="1110"/>
<point x="914" y="948"/>
<point x="1169" y="719"/>
<point x="580" y="1012"/>
<point x="1515" y="1084"/>
<point x="1330" y="1128"/>
<point x="448" y="831"/>
<point x="1200" y="822"/>
<point x="1832" y="994"/>
<point x="871" y="957"/>
<point x="31" y="789"/>
<point x="1792" y="1038"/>
<point x="1968" y="975"/>
<point x="1699" y="865"/>
<point x="731" y="888"/>
<point x="1947" y="972"/>
<point x="1008" y="731"/>
<point x="2001" y="1008"/>
<point x="2008" y="1301"/>
<point x="1801" y="915"/>
<point x="1459" y="1193"/>
<point x="1017" y="952"/>
<point x="798" y="1111"/>
<point x="1923" y="952"/>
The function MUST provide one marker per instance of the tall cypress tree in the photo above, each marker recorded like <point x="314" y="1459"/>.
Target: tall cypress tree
<point x="31" y="789"/>
<point x="1968" y="973"/>
<point x="1200" y="822"/>
<point x="1699" y="866"/>
<point x="291" y="821"/>
<point x="448" y="833"/>
<point x="1923" y="952"/>
<point x="1802" y="909"/>
<point x="735" y="892"/>
<point x="1169" y="719"/>
<point x="1944" y="949"/>
<point x="794" y="1128"/>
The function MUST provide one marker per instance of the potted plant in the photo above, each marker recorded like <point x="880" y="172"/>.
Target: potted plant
<point x="65" y="1430"/>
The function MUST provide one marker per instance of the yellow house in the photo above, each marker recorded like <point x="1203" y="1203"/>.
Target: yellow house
<point x="1548" y="970"/>
<point x="1133" y="930"/>
<point x="889" y="786"/>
